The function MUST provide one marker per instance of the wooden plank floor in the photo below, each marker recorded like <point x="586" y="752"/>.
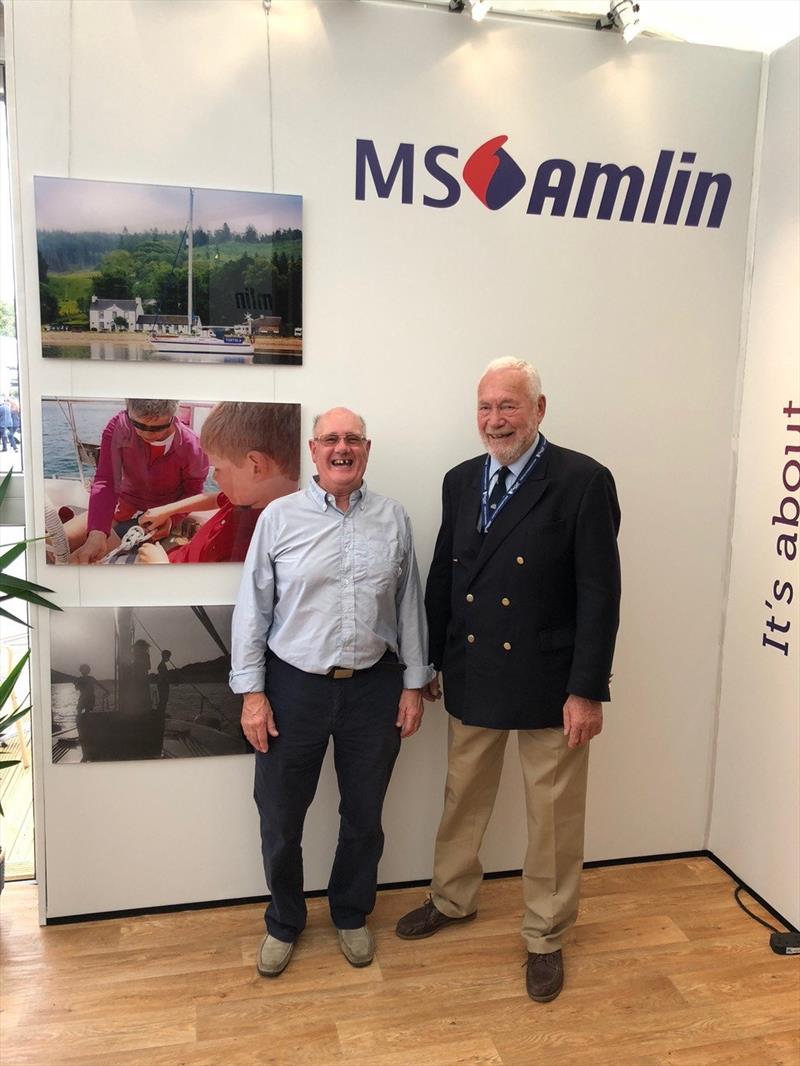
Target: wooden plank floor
<point x="662" y="968"/>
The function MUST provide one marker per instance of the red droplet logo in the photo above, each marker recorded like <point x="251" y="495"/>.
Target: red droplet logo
<point x="492" y="175"/>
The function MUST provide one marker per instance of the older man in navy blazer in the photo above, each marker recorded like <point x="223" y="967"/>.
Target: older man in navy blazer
<point x="523" y="607"/>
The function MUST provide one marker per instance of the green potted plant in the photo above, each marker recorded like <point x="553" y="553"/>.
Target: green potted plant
<point x="14" y="588"/>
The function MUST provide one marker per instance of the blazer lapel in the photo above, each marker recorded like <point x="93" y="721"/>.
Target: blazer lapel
<point x="521" y="503"/>
<point x="469" y="512"/>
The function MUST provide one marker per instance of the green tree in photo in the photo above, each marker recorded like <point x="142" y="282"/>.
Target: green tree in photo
<point x="200" y="290"/>
<point x="68" y="308"/>
<point x="117" y="276"/>
<point x="48" y="301"/>
<point x="258" y="275"/>
<point x="172" y="295"/>
<point x="294" y="312"/>
<point x="154" y="280"/>
<point x="225" y="281"/>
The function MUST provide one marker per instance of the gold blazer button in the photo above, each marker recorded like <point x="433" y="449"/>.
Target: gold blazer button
<point x="506" y="602"/>
<point x="507" y="646"/>
<point x="470" y="597"/>
<point x="471" y="638"/>
<point x="520" y="560"/>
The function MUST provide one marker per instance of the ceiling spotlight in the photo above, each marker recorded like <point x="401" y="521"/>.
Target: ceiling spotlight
<point x="480" y="9"/>
<point x="623" y="16"/>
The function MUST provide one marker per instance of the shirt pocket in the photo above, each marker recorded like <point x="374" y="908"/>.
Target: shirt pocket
<point x="379" y="563"/>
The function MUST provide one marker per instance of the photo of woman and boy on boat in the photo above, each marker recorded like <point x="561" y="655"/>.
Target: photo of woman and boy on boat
<point x="155" y="684"/>
<point x="143" y="481"/>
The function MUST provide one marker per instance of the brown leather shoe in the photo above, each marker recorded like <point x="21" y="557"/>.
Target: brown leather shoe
<point x="544" y="976"/>
<point x="425" y="921"/>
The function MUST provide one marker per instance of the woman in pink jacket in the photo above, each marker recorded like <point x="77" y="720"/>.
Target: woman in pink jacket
<point x="148" y="458"/>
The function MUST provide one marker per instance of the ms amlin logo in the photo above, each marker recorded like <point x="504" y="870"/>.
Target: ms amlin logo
<point x="495" y="178"/>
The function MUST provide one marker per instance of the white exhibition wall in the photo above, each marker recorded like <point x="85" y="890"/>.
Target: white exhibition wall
<point x="635" y="328"/>
<point x="755" y="825"/>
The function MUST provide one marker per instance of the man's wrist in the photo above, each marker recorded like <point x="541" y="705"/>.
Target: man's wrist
<point x="243" y="682"/>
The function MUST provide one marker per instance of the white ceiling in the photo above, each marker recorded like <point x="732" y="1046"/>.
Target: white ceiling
<point x="754" y="25"/>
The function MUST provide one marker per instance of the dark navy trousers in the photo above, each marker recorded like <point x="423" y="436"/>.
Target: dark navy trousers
<point x="359" y="714"/>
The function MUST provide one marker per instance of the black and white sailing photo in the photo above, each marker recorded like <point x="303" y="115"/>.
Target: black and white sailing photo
<point x="142" y="683"/>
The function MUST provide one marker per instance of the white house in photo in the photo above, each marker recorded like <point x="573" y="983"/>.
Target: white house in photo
<point x="102" y="313"/>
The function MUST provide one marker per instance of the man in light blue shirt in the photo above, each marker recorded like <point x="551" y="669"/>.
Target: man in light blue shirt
<point x="329" y="640"/>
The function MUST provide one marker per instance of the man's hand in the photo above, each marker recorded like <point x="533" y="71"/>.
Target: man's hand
<point x="93" y="549"/>
<point x="433" y="690"/>
<point x="156" y="523"/>
<point x="583" y="719"/>
<point x="409" y="712"/>
<point x="258" y="721"/>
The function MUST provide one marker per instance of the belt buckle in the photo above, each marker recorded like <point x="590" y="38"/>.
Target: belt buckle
<point x="340" y="672"/>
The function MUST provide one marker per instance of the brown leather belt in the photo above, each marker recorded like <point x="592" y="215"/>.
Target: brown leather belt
<point x="338" y="673"/>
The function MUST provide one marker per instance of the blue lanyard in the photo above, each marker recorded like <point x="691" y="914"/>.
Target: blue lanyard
<point x="486" y="517"/>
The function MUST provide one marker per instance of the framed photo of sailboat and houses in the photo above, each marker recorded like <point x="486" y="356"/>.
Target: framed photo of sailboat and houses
<point x="137" y="272"/>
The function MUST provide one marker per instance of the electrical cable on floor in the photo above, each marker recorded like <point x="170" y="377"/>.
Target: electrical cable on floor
<point x="782" y="943"/>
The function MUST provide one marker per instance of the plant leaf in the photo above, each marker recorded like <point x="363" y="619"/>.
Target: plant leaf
<point x="28" y="540"/>
<point x="7" y="583"/>
<point x="31" y="597"/>
<point x="4" y="486"/>
<point x="10" y="556"/>
<point x="7" y="614"/>
<point x="8" y="683"/>
<point x="11" y="718"/>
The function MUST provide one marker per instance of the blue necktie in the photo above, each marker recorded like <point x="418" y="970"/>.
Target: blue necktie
<point x="499" y="490"/>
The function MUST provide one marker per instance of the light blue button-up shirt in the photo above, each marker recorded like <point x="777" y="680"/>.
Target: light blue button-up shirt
<point x="329" y="588"/>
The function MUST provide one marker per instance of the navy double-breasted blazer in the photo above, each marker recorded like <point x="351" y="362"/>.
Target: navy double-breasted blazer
<point x="527" y="613"/>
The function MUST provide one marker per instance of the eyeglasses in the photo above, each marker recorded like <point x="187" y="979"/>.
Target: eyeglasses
<point x="330" y="440"/>
<point x="144" y="428"/>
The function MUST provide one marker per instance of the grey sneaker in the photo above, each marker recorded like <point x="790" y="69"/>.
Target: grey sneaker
<point x="357" y="945"/>
<point x="273" y="956"/>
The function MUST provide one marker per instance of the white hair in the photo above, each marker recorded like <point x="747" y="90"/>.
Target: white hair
<point x="508" y="362"/>
<point x="323" y="413"/>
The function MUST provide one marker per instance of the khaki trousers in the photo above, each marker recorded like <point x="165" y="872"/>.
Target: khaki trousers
<point x="555" y="798"/>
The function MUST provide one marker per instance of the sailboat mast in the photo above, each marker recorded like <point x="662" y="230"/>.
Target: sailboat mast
<point x="191" y="257"/>
<point x="125" y="635"/>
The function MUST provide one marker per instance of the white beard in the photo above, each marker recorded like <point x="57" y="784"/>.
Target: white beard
<point x="507" y="453"/>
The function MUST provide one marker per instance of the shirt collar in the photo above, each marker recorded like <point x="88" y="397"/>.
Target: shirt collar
<point x="164" y="444"/>
<point x="324" y="499"/>
<point x="517" y="466"/>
